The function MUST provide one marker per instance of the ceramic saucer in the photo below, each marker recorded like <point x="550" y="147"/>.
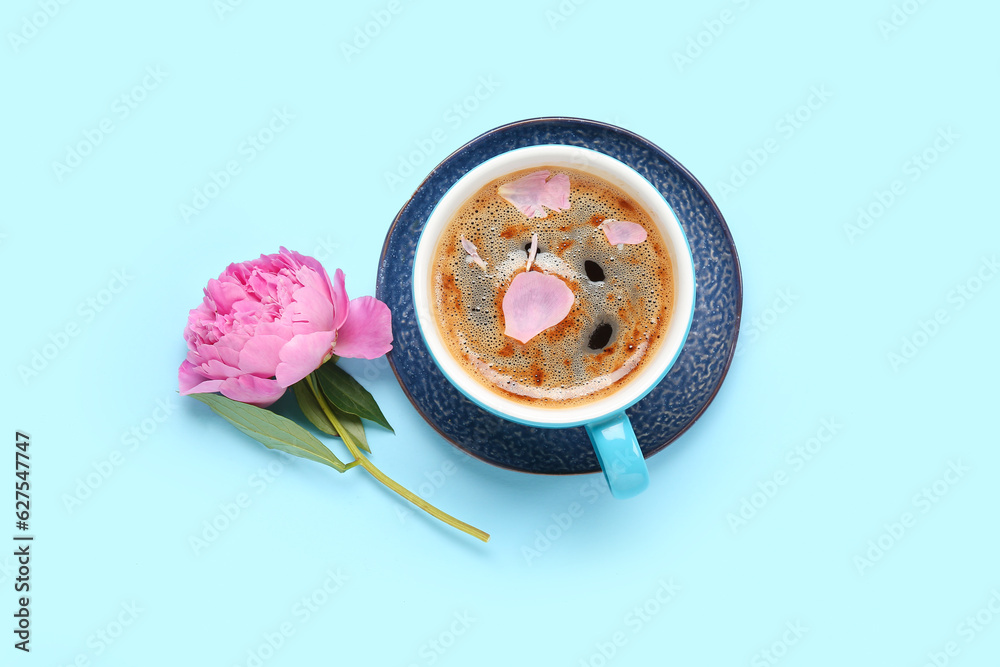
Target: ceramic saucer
<point x="670" y="408"/>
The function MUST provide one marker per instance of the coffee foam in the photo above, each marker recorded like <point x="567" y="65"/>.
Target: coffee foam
<point x="635" y="297"/>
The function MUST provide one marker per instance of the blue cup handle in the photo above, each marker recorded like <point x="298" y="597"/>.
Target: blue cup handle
<point x="619" y="455"/>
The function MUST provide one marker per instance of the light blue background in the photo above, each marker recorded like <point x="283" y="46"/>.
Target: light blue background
<point x="823" y="311"/>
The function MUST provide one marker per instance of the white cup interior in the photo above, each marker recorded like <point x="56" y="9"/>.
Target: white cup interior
<point x="637" y="384"/>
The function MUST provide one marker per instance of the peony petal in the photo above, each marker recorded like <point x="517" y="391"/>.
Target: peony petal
<point x="619" y="231"/>
<point x="302" y="355"/>
<point x="260" y="355"/>
<point x="192" y="381"/>
<point x="252" y="389"/>
<point x="309" y="277"/>
<point x="557" y="193"/>
<point x="227" y="348"/>
<point x="218" y="370"/>
<point x="224" y="294"/>
<point x="530" y="193"/>
<point x="311" y="311"/>
<point x="470" y="248"/>
<point x="307" y="261"/>
<point x="533" y="303"/>
<point x="532" y="250"/>
<point x="203" y="353"/>
<point x="226" y="354"/>
<point x="340" y="300"/>
<point x="367" y="333"/>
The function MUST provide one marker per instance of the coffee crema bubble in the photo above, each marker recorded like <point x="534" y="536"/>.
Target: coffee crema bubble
<point x="623" y="294"/>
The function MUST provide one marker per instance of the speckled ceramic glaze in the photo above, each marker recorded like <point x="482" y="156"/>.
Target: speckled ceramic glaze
<point x="670" y="408"/>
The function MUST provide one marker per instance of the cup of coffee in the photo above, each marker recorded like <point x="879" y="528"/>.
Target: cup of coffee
<point x="554" y="287"/>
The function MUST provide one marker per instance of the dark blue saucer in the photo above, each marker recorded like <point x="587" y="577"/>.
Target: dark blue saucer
<point x="673" y="405"/>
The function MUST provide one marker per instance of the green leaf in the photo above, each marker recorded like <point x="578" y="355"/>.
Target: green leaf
<point x="311" y="408"/>
<point x="354" y="427"/>
<point x="271" y="430"/>
<point x="314" y="413"/>
<point x="344" y="392"/>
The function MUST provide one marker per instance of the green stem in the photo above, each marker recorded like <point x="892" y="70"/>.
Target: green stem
<point x="380" y="476"/>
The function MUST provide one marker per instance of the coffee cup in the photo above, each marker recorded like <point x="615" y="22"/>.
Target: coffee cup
<point x="604" y="419"/>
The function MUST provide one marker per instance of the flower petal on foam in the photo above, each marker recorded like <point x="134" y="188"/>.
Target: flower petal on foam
<point x="557" y="193"/>
<point x="252" y="389"/>
<point x="530" y="193"/>
<point x="619" y="231"/>
<point x="302" y="355"/>
<point x="191" y="381"/>
<point x="367" y="333"/>
<point x="532" y="251"/>
<point x="533" y="303"/>
<point x="473" y="252"/>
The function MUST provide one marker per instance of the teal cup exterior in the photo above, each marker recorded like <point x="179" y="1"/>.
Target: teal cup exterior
<point x="619" y="454"/>
<point x="605" y="420"/>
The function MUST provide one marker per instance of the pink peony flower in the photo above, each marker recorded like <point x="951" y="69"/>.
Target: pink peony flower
<point x="267" y="323"/>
